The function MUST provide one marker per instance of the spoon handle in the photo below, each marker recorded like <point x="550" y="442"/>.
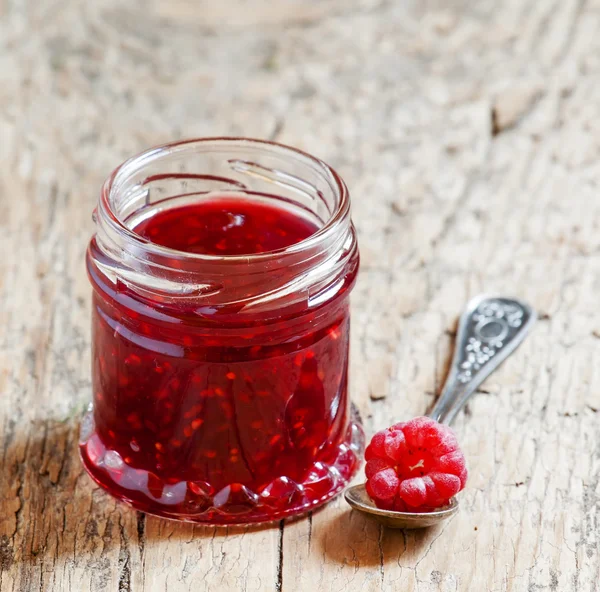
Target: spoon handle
<point x="490" y="329"/>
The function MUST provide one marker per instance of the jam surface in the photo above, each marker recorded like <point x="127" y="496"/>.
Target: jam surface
<point x="204" y="422"/>
<point x="226" y="226"/>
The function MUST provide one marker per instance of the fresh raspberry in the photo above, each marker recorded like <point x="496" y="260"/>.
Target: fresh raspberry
<point x="415" y="466"/>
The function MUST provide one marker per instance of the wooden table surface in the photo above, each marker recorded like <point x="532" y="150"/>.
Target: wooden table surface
<point x="469" y="135"/>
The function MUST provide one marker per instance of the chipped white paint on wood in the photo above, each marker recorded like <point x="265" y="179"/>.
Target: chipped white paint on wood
<point x="468" y="134"/>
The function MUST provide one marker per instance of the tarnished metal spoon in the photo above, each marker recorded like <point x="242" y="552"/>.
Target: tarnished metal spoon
<point x="490" y="329"/>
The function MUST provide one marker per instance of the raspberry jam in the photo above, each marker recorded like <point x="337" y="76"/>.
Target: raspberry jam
<point x="226" y="226"/>
<point x="220" y="337"/>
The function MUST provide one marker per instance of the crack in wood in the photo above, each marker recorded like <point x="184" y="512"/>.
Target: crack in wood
<point x="124" y="561"/>
<point x="381" y="555"/>
<point x="279" y="581"/>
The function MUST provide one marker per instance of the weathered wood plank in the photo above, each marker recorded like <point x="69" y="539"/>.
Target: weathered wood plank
<point x="468" y="134"/>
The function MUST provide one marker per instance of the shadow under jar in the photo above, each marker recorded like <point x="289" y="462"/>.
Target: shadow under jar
<point x="222" y="270"/>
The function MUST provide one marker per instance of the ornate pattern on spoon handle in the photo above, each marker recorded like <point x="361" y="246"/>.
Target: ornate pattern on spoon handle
<point x="490" y="329"/>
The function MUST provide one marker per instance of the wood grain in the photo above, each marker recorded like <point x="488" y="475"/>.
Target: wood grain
<point x="468" y="133"/>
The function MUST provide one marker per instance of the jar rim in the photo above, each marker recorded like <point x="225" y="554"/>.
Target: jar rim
<point x="134" y="163"/>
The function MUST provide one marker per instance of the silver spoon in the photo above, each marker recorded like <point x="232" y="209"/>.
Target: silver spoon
<point x="490" y="329"/>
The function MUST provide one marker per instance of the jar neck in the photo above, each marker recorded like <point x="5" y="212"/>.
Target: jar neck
<point x="310" y="276"/>
<point x="305" y="275"/>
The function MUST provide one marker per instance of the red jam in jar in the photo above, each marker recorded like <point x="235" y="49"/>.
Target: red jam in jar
<point x="221" y="271"/>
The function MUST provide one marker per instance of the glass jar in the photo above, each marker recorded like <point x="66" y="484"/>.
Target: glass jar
<point x="220" y="382"/>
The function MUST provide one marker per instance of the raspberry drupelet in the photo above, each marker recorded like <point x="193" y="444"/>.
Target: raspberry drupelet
<point x="414" y="466"/>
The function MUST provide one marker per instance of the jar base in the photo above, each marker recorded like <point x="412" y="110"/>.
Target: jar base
<point x="235" y="504"/>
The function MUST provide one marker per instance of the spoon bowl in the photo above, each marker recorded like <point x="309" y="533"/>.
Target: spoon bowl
<point x="489" y="330"/>
<point x="358" y="498"/>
